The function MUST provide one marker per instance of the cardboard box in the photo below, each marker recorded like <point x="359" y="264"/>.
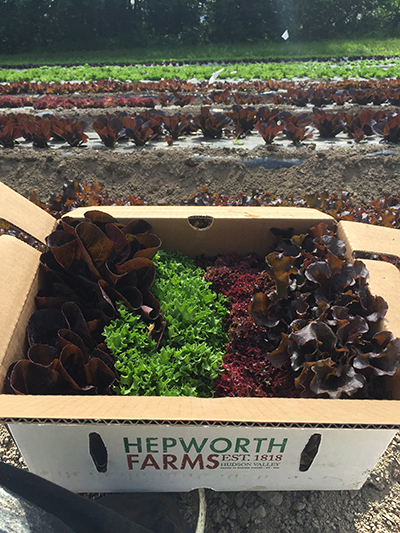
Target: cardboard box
<point x="116" y="444"/>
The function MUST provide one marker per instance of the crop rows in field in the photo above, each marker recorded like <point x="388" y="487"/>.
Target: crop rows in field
<point x="152" y="125"/>
<point x="248" y="113"/>
<point x="179" y="92"/>
<point x="372" y="68"/>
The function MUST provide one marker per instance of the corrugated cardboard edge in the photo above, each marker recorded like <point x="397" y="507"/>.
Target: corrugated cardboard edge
<point x="367" y="238"/>
<point x="19" y="273"/>
<point x="162" y="410"/>
<point x="22" y="213"/>
<point x="292" y="214"/>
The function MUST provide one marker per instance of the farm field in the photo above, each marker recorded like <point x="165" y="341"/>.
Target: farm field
<point x="367" y="168"/>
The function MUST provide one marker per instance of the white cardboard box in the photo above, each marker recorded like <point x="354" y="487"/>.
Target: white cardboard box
<point x="110" y="443"/>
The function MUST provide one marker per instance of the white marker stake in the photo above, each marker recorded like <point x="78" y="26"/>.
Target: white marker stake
<point x="285" y="35"/>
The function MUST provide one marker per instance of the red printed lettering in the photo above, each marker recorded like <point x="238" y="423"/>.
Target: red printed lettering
<point x="149" y="461"/>
<point x="186" y="460"/>
<point x="214" y="462"/>
<point x="131" y="460"/>
<point x="169" y="460"/>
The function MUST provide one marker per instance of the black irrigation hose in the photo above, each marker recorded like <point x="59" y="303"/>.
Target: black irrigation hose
<point x="45" y="506"/>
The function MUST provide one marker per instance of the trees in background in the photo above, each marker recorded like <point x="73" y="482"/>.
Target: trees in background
<point x="324" y="19"/>
<point x="71" y="24"/>
<point x="77" y="24"/>
<point x="238" y="20"/>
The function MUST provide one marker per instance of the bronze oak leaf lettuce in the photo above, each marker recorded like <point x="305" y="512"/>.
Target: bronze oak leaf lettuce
<point x="328" y="322"/>
<point x="90" y="265"/>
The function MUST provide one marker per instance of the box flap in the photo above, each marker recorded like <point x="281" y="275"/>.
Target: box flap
<point x="184" y="234"/>
<point x="360" y="237"/>
<point x="18" y="274"/>
<point x="22" y="213"/>
<point x="384" y="280"/>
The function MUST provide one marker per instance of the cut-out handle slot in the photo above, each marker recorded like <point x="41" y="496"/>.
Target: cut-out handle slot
<point x="310" y="451"/>
<point x="98" y="452"/>
<point x="200" y="222"/>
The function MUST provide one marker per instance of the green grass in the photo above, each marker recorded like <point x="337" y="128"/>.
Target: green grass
<point x="263" y="49"/>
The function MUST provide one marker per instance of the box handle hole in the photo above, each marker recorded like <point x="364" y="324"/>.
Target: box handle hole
<point x="98" y="452"/>
<point x="310" y="451"/>
<point x="200" y="222"/>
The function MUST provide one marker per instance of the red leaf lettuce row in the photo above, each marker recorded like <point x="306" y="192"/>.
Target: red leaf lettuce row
<point x="89" y="266"/>
<point x="328" y="322"/>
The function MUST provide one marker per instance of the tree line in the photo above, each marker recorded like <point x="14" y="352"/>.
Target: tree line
<point x="90" y="24"/>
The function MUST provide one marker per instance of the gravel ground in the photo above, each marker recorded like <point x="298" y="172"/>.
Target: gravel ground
<point x="375" y="508"/>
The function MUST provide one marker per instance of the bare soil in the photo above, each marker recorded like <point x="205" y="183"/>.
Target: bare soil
<point x="165" y="177"/>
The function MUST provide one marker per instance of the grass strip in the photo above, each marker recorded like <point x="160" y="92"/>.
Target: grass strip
<point x="211" y="52"/>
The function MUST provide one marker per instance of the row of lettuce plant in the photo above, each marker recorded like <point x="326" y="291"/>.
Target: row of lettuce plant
<point x="88" y="266"/>
<point x="178" y="85"/>
<point x="319" y="95"/>
<point x="187" y="358"/>
<point x="356" y="91"/>
<point x="54" y="102"/>
<point x="278" y="71"/>
<point x="153" y="125"/>
<point x="340" y="205"/>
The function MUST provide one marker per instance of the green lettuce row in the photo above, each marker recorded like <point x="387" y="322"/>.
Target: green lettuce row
<point x="278" y="71"/>
<point x="190" y="354"/>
